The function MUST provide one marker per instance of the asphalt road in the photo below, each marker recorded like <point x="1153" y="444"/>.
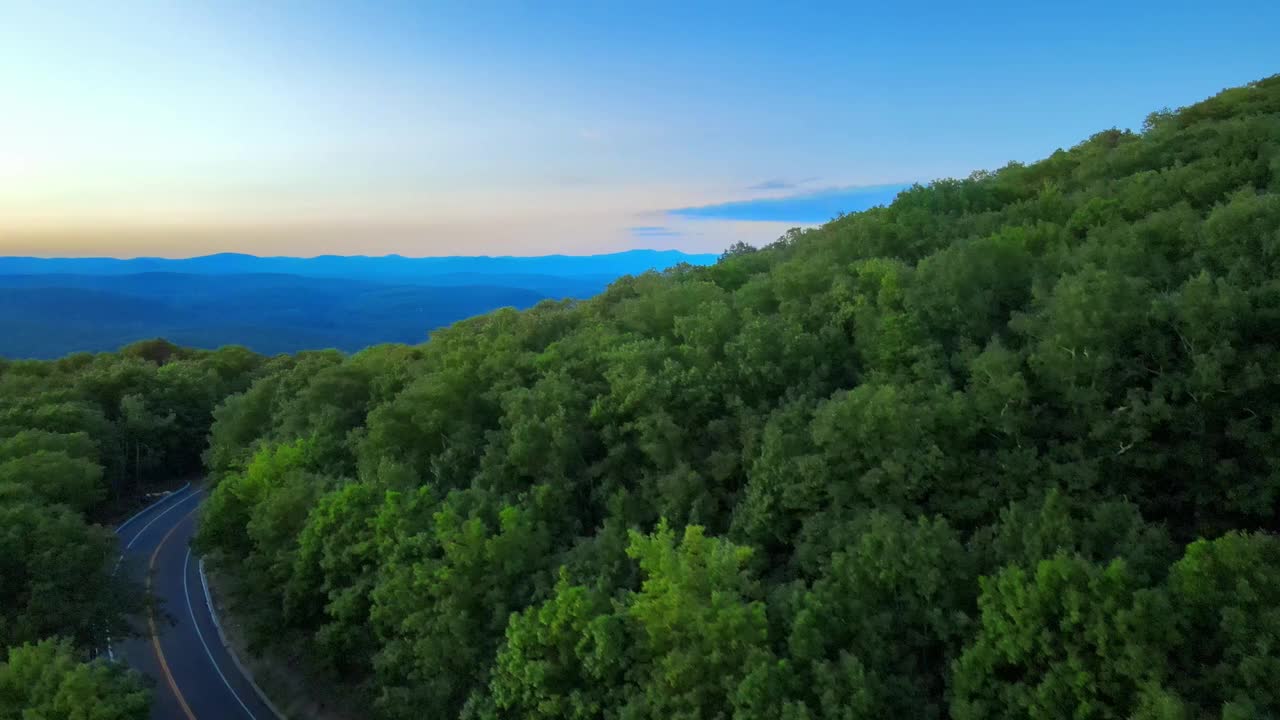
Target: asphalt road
<point x="179" y="647"/>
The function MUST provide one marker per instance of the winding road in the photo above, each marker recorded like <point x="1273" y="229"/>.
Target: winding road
<point x="180" y="645"/>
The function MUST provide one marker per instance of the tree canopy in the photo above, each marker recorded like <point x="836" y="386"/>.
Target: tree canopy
<point x="1006" y="447"/>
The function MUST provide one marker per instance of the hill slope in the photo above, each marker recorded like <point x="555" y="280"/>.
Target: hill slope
<point x="1006" y="448"/>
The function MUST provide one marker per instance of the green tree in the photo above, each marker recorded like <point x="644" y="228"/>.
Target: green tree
<point x="893" y="608"/>
<point x="564" y="659"/>
<point x="698" y="623"/>
<point x="1225" y="596"/>
<point x="56" y="477"/>
<point x="1065" y="640"/>
<point x="55" y="576"/>
<point x="50" y="680"/>
<point x="445" y="596"/>
<point x="334" y="573"/>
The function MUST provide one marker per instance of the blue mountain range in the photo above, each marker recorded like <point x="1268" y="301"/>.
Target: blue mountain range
<point x="50" y="307"/>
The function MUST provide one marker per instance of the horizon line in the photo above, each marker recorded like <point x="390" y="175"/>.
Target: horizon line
<point x="348" y="257"/>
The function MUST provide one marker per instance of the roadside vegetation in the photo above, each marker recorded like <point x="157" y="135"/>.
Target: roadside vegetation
<point x="81" y="440"/>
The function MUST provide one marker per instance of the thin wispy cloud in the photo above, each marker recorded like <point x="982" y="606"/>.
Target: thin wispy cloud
<point x="653" y="231"/>
<point x="804" y="208"/>
<point x="780" y="184"/>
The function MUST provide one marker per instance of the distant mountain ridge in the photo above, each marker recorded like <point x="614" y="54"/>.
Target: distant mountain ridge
<point x="54" y="306"/>
<point x="397" y="267"/>
<point x="47" y="316"/>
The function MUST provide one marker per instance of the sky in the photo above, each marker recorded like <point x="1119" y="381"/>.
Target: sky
<point x="434" y="128"/>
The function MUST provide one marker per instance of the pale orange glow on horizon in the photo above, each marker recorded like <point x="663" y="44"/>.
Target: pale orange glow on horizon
<point x="570" y="236"/>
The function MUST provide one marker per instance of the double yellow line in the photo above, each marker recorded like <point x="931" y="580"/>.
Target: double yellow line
<point x="151" y="622"/>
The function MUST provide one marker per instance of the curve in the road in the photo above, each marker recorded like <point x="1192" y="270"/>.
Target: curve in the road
<point x="151" y="623"/>
<point x="167" y="497"/>
<point x="186" y="562"/>
<point x="146" y="511"/>
<point x="157" y="505"/>
<point x="195" y="680"/>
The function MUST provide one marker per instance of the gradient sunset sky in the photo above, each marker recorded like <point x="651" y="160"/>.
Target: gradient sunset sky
<point x="302" y="128"/>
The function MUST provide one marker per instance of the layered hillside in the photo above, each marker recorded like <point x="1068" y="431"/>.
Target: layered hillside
<point x="50" y="307"/>
<point x="48" y="316"/>
<point x="1007" y="447"/>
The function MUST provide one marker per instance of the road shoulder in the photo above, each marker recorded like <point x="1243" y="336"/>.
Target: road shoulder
<point x="215" y="614"/>
<point x="280" y="682"/>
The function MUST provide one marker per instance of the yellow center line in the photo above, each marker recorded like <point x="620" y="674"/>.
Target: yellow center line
<point x="151" y="621"/>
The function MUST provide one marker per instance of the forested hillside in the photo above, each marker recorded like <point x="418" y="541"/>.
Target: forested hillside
<point x="1007" y="447"/>
<point x="81" y="439"/>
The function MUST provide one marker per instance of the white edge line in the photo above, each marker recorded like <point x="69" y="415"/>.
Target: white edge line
<point x="213" y="615"/>
<point x="186" y="591"/>
<point x="168" y="496"/>
<point x="111" y="653"/>
<point x="167" y="510"/>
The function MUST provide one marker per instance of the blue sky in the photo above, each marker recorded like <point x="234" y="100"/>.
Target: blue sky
<point x="524" y="128"/>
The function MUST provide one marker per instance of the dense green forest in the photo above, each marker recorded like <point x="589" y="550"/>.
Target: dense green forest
<point x="1007" y="447"/>
<point x="81" y="439"/>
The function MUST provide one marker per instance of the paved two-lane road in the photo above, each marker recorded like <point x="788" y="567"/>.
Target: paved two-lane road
<point x="180" y="647"/>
